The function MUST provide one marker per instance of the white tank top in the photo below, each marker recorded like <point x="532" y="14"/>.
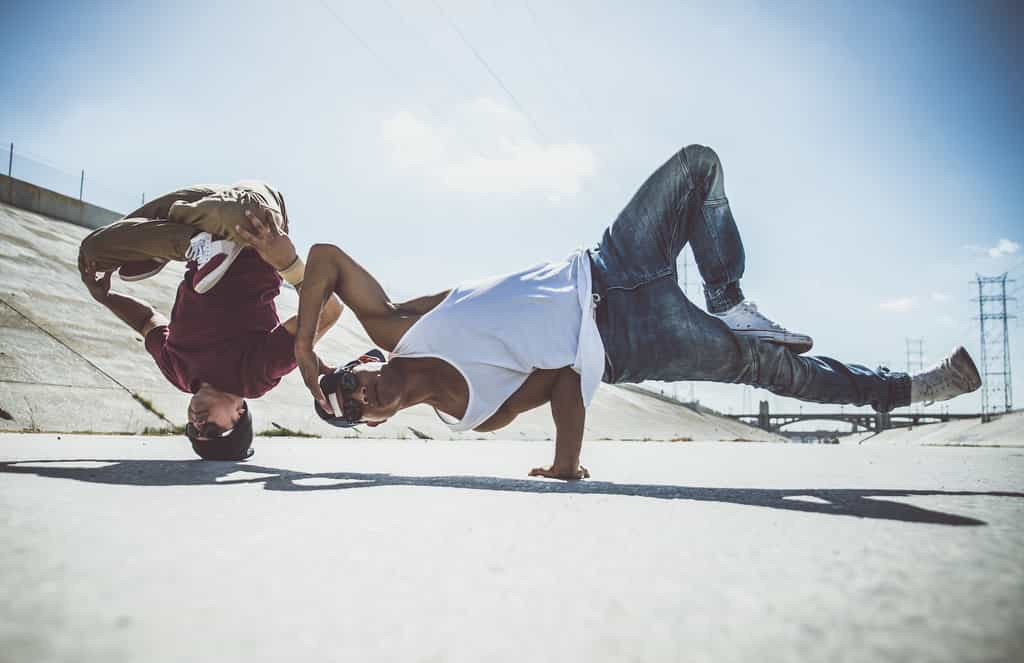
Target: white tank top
<point x="499" y="330"/>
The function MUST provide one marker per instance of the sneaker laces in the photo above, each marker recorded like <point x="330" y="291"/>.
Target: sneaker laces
<point x="942" y="375"/>
<point x="200" y="249"/>
<point x="751" y="308"/>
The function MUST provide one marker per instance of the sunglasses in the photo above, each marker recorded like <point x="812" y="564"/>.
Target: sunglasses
<point x="346" y="382"/>
<point x="208" y="432"/>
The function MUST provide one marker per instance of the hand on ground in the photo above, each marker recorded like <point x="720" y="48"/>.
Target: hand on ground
<point x="556" y="472"/>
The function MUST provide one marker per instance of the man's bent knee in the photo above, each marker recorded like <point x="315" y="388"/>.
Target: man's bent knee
<point x="705" y="169"/>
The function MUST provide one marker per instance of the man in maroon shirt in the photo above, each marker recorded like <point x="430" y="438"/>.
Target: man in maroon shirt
<point x="224" y="341"/>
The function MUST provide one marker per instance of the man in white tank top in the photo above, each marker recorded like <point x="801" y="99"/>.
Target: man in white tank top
<point x="484" y="352"/>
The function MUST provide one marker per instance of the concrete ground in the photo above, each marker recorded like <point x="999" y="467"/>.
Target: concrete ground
<point x="126" y="549"/>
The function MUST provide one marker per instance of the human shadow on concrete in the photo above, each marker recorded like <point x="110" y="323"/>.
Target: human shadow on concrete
<point x="856" y="502"/>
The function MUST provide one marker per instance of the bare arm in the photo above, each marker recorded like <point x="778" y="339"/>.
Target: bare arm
<point x="421" y="305"/>
<point x="328" y="317"/>
<point x="137" y="314"/>
<point x="330" y="270"/>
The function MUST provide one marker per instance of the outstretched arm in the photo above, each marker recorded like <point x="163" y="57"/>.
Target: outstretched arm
<point x="137" y="314"/>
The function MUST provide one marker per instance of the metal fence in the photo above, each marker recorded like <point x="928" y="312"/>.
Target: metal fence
<point x="78" y="184"/>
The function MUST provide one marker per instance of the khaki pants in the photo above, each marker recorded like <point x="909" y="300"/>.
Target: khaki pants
<point x="163" y="227"/>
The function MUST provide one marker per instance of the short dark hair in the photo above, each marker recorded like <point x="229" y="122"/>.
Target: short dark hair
<point x="235" y="446"/>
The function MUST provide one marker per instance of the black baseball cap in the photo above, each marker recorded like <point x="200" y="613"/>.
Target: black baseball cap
<point x="236" y="444"/>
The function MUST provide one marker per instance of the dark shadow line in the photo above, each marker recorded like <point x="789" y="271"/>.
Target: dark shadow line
<point x="855" y="502"/>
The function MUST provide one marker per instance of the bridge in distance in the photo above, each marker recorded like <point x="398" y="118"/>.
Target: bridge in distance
<point x="873" y="421"/>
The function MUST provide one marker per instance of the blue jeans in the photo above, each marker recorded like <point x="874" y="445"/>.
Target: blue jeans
<point x="651" y="331"/>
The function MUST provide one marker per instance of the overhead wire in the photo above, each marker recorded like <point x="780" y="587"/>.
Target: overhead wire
<point x="490" y="70"/>
<point x="438" y="113"/>
<point x="557" y="56"/>
<point x="351" y="31"/>
<point x="466" y="88"/>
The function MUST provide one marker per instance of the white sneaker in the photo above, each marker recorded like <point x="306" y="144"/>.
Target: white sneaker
<point x="212" y="258"/>
<point x="744" y="319"/>
<point x="951" y="377"/>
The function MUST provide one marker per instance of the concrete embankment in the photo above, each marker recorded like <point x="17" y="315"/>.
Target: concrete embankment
<point x="28" y="196"/>
<point x="1005" y="430"/>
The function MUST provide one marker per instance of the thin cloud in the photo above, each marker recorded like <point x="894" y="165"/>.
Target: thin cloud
<point x="940" y="297"/>
<point x="1003" y="247"/>
<point x="487" y="148"/>
<point x="899" y="305"/>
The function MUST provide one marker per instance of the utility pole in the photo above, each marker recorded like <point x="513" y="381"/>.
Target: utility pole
<point x="995" y="343"/>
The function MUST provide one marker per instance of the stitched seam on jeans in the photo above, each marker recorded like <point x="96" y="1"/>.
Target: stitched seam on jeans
<point x="665" y="271"/>
<point x="681" y="156"/>
<point x="708" y="227"/>
<point x="680" y="208"/>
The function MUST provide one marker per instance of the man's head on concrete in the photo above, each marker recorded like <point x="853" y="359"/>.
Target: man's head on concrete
<point x="219" y="425"/>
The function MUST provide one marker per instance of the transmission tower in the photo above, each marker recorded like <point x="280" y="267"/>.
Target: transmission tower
<point x="686" y="273"/>
<point x="915" y="360"/>
<point x="915" y="355"/>
<point x="995" y="370"/>
<point x="686" y="292"/>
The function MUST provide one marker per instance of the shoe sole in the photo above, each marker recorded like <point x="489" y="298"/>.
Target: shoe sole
<point x="213" y="278"/>
<point x="963" y="364"/>
<point x="796" y="347"/>
<point x="144" y="275"/>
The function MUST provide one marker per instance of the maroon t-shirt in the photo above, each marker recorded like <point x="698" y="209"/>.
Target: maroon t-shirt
<point x="229" y="337"/>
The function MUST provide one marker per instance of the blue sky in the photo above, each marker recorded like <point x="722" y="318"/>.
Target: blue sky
<point x="872" y="152"/>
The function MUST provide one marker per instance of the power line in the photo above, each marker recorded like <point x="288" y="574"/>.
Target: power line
<point x="491" y="71"/>
<point x="454" y="74"/>
<point x="393" y="71"/>
<point x="556" y="55"/>
<point x="351" y="31"/>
